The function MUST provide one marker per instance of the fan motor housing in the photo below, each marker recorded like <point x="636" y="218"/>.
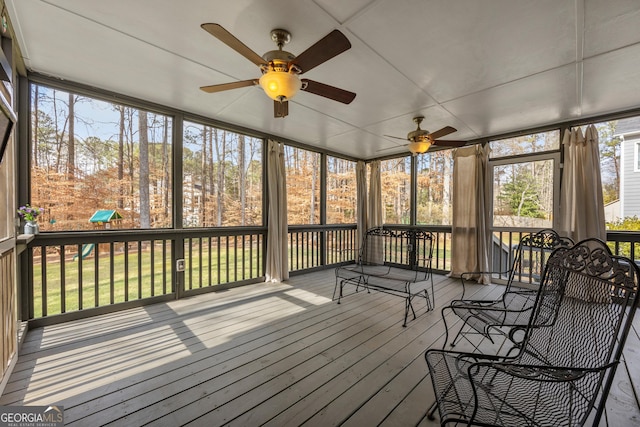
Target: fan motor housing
<point x="418" y="135"/>
<point x="279" y="58"/>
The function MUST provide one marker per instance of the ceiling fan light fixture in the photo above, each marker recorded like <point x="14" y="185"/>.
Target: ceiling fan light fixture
<point x="280" y="85"/>
<point x="419" y="147"/>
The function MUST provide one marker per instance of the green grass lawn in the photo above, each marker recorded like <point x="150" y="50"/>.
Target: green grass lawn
<point x="132" y="277"/>
<point x="117" y="282"/>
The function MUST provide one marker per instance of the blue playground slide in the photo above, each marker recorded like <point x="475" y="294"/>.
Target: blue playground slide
<point x="86" y="250"/>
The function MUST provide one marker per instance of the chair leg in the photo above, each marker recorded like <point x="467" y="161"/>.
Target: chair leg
<point x="406" y="311"/>
<point x="340" y="290"/>
<point x="453" y="343"/>
<point x="429" y="305"/>
<point x="432" y="410"/>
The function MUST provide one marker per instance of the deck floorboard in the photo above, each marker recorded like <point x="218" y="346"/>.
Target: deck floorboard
<point x="264" y="354"/>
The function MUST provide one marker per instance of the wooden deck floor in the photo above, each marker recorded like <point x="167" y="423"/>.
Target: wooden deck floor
<point x="266" y="354"/>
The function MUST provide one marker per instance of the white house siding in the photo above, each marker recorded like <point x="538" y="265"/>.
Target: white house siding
<point x="612" y="211"/>
<point x="629" y="130"/>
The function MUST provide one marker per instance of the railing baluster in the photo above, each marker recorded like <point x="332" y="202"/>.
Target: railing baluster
<point x="111" y="275"/>
<point x="80" y="278"/>
<point x="226" y="241"/>
<point x="96" y="276"/>
<point x="219" y="260"/>
<point x="152" y="264"/>
<point x="140" y="243"/>
<point x="209" y="278"/>
<point x="244" y="239"/>
<point x="190" y="252"/>
<point x="200" y="262"/>
<point x="235" y="258"/>
<point x="43" y="257"/>
<point x="126" y="271"/>
<point x="63" y="277"/>
<point x="164" y="267"/>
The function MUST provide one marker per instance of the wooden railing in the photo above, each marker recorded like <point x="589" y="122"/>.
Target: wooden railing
<point x="441" y="244"/>
<point x="625" y="243"/>
<point x="71" y="274"/>
<point x="318" y="246"/>
<point x="221" y="256"/>
<point x="78" y="272"/>
<point x="7" y="311"/>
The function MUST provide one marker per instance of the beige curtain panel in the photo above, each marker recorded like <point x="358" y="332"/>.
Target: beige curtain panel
<point x="277" y="264"/>
<point x="581" y="204"/>
<point x="361" y="196"/>
<point x="469" y="235"/>
<point x="374" y="217"/>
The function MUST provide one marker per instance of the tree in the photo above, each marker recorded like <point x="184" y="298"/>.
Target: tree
<point x="242" y="180"/>
<point x="71" y="148"/>
<point x="609" y="160"/>
<point x="121" y="129"/>
<point x="145" y="215"/>
<point x="221" y="153"/>
<point x="521" y="195"/>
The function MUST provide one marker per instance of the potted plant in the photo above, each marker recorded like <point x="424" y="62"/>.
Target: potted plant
<point x="29" y="215"/>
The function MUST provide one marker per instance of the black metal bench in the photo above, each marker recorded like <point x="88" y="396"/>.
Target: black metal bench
<point x="391" y="261"/>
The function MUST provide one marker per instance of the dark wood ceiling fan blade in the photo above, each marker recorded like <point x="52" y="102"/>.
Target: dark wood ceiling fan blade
<point x="442" y="132"/>
<point x="443" y="143"/>
<point x="280" y="109"/>
<point x="396" y="137"/>
<point x="327" y="91"/>
<point x="230" y="40"/>
<point x="326" y="48"/>
<point x="228" y="86"/>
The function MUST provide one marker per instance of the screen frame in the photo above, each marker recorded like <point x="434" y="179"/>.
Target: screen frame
<point x="7" y="122"/>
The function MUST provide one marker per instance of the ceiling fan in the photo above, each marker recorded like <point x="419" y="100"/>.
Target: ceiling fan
<point x="421" y="140"/>
<point x="281" y="69"/>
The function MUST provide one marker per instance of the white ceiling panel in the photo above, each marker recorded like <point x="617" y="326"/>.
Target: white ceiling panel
<point x="544" y="98"/>
<point x="256" y="111"/>
<point x="343" y="10"/>
<point x="482" y="67"/>
<point x="455" y="48"/>
<point x="610" y="24"/>
<point x="612" y="81"/>
<point x="365" y="145"/>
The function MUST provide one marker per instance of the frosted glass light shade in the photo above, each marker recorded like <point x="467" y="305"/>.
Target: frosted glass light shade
<point x="419" y="147"/>
<point x="280" y="85"/>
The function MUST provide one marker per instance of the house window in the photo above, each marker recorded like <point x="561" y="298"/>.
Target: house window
<point x="89" y="155"/>
<point x="524" y="192"/>
<point x="526" y="144"/>
<point x="222" y="177"/>
<point x="525" y="172"/>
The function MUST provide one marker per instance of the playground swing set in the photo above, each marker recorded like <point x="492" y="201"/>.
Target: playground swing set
<point x="102" y="218"/>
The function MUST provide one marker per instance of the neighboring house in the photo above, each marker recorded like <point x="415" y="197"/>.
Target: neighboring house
<point x="612" y="211"/>
<point x="629" y="131"/>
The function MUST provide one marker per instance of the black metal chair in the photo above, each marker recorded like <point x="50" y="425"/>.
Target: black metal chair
<point x="564" y="370"/>
<point x="510" y="313"/>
